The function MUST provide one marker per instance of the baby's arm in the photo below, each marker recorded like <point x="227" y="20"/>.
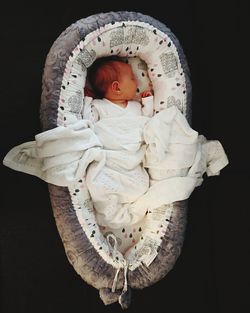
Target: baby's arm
<point x="147" y="103"/>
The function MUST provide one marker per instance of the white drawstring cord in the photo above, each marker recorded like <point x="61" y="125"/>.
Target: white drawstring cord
<point x="124" y="266"/>
<point x="113" y="249"/>
<point x="115" y="280"/>
<point x="121" y="299"/>
<point x="125" y="286"/>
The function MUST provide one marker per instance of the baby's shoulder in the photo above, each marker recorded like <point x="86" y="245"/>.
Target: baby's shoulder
<point x="104" y="108"/>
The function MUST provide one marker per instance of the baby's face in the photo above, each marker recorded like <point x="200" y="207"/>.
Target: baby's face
<point x="127" y="82"/>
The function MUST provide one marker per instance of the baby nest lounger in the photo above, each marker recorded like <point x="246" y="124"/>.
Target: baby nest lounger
<point x="137" y="256"/>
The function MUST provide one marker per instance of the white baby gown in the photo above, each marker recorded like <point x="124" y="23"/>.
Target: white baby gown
<point x="123" y="179"/>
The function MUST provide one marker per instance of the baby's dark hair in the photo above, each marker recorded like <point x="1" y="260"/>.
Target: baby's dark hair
<point x="103" y="72"/>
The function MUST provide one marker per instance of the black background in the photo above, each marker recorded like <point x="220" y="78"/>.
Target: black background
<point x="211" y="275"/>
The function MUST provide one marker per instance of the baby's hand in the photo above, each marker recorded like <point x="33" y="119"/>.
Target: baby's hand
<point x="146" y="93"/>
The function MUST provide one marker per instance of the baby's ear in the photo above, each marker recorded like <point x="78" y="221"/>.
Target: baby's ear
<point x="115" y="87"/>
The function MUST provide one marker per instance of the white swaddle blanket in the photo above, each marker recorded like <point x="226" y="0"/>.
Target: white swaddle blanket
<point x="113" y="155"/>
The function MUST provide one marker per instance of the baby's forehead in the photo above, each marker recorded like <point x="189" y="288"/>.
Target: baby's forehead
<point x="125" y="67"/>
